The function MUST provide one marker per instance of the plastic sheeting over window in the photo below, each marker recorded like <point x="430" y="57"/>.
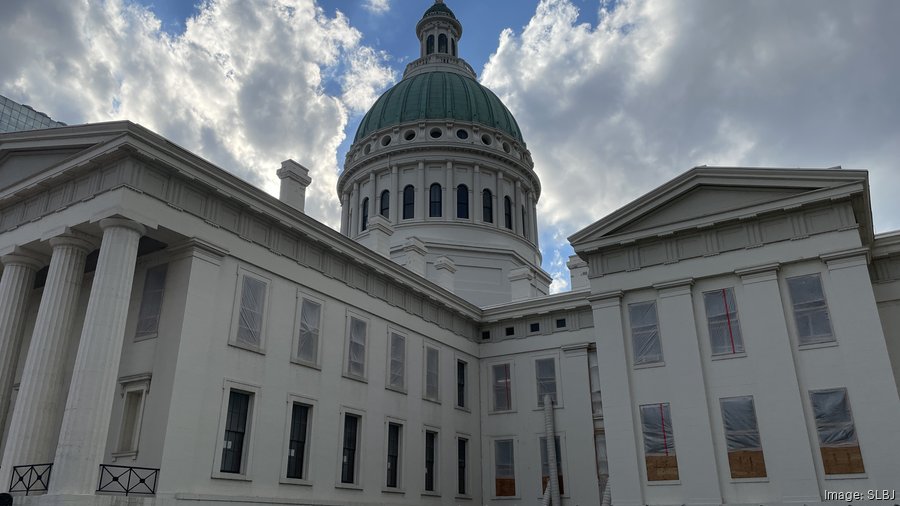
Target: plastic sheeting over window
<point x="250" y="318"/>
<point x="594" y="379"/>
<point x="310" y="317"/>
<point x="745" y="456"/>
<point x="356" y="360"/>
<point x="504" y="468"/>
<point x="837" y="433"/>
<point x="432" y="362"/>
<point x="397" y="373"/>
<point x="545" y="465"/>
<point x="151" y="301"/>
<point x="722" y="320"/>
<point x="810" y="309"/>
<point x="645" y="333"/>
<point x="659" y="442"/>
<point x="502" y="386"/>
<point x="545" y="373"/>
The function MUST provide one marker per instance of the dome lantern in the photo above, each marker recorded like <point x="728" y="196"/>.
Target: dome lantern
<point x="439" y="31"/>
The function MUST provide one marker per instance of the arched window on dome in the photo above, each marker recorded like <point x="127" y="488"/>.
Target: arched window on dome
<point x="453" y="46"/>
<point x="409" y="202"/>
<point x="442" y="43"/>
<point x="487" y="206"/>
<point x="434" y="200"/>
<point x="507" y="212"/>
<point x="365" y="214"/>
<point x="524" y="228"/>
<point x="385" y="203"/>
<point x="462" y="202"/>
<point x="429" y="44"/>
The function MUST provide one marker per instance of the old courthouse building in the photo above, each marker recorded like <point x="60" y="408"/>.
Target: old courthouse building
<point x="170" y="332"/>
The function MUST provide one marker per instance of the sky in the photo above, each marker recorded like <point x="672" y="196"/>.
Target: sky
<point x="613" y="97"/>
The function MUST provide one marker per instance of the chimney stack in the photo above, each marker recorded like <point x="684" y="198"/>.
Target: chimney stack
<point x="294" y="180"/>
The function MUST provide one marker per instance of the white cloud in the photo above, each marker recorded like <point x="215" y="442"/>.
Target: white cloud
<point x="377" y="6"/>
<point x="244" y="85"/>
<point x="657" y="87"/>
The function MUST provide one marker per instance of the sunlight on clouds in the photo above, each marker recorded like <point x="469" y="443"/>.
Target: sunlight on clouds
<point x="377" y="6"/>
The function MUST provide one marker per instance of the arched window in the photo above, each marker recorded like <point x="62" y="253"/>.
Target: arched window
<point x="434" y="209"/>
<point x="442" y="43"/>
<point x="507" y="212"/>
<point x="524" y="228"/>
<point x="429" y="44"/>
<point x="453" y="46"/>
<point x="365" y="214"/>
<point x="487" y="206"/>
<point x="409" y="202"/>
<point x="385" y="203"/>
<point x="462" y="202"/>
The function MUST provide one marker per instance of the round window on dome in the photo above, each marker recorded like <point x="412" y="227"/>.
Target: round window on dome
<point x="486" y="139"/>
<point x="367" y="149"/>
<point x="386" y="140"/>
<point x="462" y="134"/>
<point x="409" y="135"/>
<point x="435" y="133"/>
<point x="506" y="147"/>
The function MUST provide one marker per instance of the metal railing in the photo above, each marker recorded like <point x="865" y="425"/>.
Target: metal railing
<point x="127" y="480"/>
<point x="30" y="479"/>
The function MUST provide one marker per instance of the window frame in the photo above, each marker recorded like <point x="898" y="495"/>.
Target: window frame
<point x="391" y="332"/>
<point x="631" y="330"/>
<point x="228" y="386"/>
<point x="436" y="471"/>
<point x="358" y="450"/>
<point x="426" y="348"/>
<point x="514" y="443"/>
<point x="127" y="385"/>
<point x="409" y="203"/>
<point x="492" y="408"/>
<point x="364" y="215"/>
<point x="487" y="206"/>
<point x="466" y="439"/>
<point x="462" y="202"/>
<point x="464" y="406"/>
<point x="822" y="447"/>
<point x="736" y="333"/>
<point x="365" y="361"/>
<point x="815" y="340"/>
<point x="401" y="448"/>
<point x="539" y="402"/>
<point x="384" y="203"/>
<point x="507" y="213"/>
<point x="138" y="335"/>
<point x="644" y="440"/>
<point x="292" y="400"/>
<point x="242" y="274"/>
<point x="435" y="201"/>
<point x="303" y="296"/>
<point x="725" y="432"/>
<point x="562" y="469"/>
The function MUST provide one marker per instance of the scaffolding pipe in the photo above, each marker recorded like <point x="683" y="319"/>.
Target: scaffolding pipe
<point x="550" y="435"/>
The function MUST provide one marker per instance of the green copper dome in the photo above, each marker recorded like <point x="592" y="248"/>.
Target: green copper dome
<point x="438" y="95"/>
<point x="439" y="8"/>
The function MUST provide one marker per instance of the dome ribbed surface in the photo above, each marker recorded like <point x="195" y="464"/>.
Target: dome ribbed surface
<point x="439" y="8"/>
<point x="438" y="95"/>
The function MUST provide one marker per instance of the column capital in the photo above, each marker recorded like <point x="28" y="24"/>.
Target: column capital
<point x="68" y="237"/>
<point x="106" y="223"/>
<point x="23" y="257"/>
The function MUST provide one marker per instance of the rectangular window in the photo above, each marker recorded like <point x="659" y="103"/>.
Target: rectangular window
<point x="534" y="327"/>
<point x="722" y="321"/>
<point x="356" y="348"/>
<point x="236" y="425"/>
<point x="251" y="313"/>
<point x="645" y="333"/>
<point x="545" y="372"/>
<point x="745" y="455"/>
<point x="462" y="450"/>
<point x="504" y="468"/>
<point x="430" y="460"/>
<point x="594" y="380"/>
<point x="151" y="301"/>
<point x="432" y="374"/>
<point x="308" y="337"/>
<point x="560" y="323"/>
<point x="545" y="465"/>
<point x="393" y="455"/>
<point x="510" y="331"/>
<point x="659" y="442"/>
<point x="462" y="369"/>
<point x="502" y="387"/>
<point x="297" y="442"/>
<point x="397" y="368"/>
<point x="837" y="432"/>
<point x="810" y="309"/>
<point x="349" y="456"/>
<point x="132" y="414"/>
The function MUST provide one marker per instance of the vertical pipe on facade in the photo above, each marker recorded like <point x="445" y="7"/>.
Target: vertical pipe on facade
<point x="550" y="435"/>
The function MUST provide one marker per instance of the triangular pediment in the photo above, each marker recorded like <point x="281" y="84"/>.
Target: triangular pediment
<point x="705" y="196"/>
<point x="17" y="166"/>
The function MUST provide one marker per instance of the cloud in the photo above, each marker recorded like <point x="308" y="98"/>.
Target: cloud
<point x="244" y="86"/>
<point x="377" y="6"/>
<point x="656" y="87"/>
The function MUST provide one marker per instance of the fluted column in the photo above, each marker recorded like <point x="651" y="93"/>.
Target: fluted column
<point x="15" y="285"/>
<point x="82" y="438"/>
<point x="34" y="428"/>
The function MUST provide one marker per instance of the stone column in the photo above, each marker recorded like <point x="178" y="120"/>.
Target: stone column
<point x="396" y="197"/>
<point x="345" y="214"/>
<point x="373" y="194"/>
<point x="517" y="209"/>
<point x="450" y="195"/>
<point x="82" y="438"/>
<point x="17" y="282"/>
<point x="498" y="200"/>
<point x="475" y="197"/>
<point x="354" y="211"/>
<point x="34" y="427"/>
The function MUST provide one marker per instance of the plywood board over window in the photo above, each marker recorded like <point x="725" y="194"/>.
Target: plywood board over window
<point x="659" y="442"/>
<point x="837" y="433"/>
<point x="745" y="454"/>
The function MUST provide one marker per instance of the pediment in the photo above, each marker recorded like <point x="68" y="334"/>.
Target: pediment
<point x="18" y="166"/>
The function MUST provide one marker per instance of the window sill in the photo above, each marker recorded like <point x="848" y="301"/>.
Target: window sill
<point x="463" y="409"/>
<point x="663" y="483"/>
<point x="219" y="475"/>
<point x="396" y="389"/>
<point x="649" y="365"/>
<point x="430" y="493"/>
<point x="390" y="490"/>
<point x="247" y="347"/>
<point x="145" y="337"/>
<point x="354" y="378"/>
<point x="859" y="476"/>
<point x="506" y="498"/>
<point x="295" y="481"/>
<point x="816" y="346"/>
<point x="555" y="407"/>
<point x="126" y="454"/>
<point x="348" y="486"/>
<point x="304" y="363"/>
<point x="761" y="479"/>
<point x="463" y="497"/>
<point x="503" y="412"/>
<point x="433" y="401"/>
<point x="728" y="356"/>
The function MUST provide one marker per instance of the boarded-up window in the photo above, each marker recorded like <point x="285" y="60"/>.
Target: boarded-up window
<point x="310" y="316"/>
<point x="645" y="333"/>
<point x="837" y="432"/>
<point x="659" y="442"/>
<point x="502" y="387"/>
<point x="504" y="468"/>
<point x="810" y="309"/>
<point x="745" y="454"/>
<point x="722" y="321"/>
<point x="545" y="465"/>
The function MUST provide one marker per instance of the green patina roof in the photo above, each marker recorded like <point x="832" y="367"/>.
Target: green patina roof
<point x="439" y="8"/>
<point x="438" y="95"/>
